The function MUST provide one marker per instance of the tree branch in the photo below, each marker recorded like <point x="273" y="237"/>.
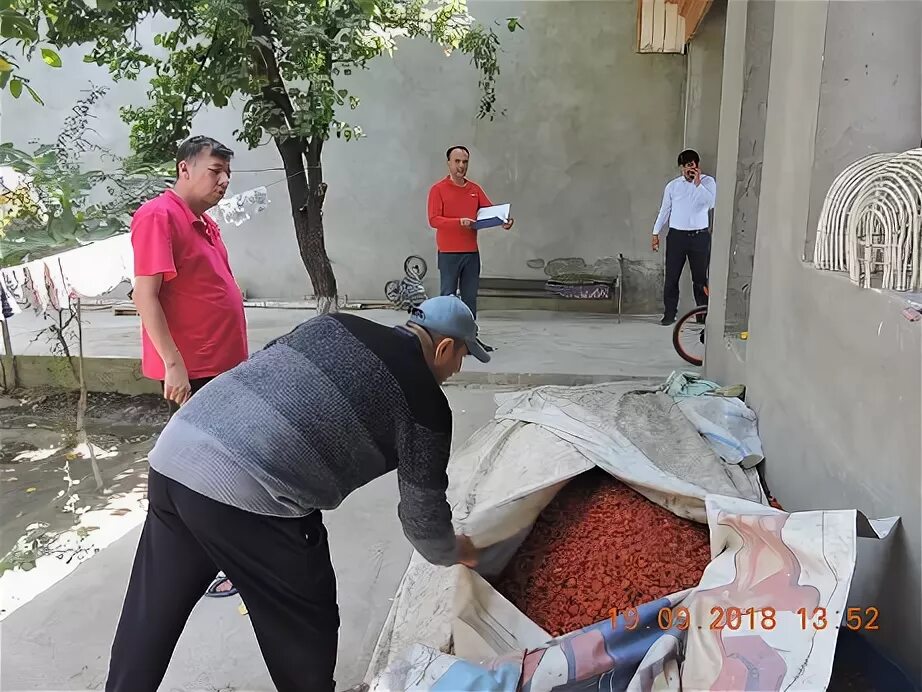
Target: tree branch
<point x="177" y="127"/>
<point x="274" y="90"/>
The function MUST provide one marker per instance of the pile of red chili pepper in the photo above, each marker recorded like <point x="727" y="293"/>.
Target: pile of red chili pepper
<point x="600" y="545"/>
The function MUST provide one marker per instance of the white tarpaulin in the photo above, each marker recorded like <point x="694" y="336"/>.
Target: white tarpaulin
<point x="87" y="271"/>
<point x="448" y="629"/>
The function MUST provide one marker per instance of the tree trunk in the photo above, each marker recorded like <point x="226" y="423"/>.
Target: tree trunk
<point x="306" y="193"/>
<point x="305" y="190"/>
<point x="11" y="366"/>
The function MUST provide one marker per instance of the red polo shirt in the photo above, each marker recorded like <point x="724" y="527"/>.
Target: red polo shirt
<point x="448" y="204"/>
<point x="201" y="300"/>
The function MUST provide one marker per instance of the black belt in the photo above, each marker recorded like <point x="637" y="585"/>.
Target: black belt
<point x="682" y="230"/>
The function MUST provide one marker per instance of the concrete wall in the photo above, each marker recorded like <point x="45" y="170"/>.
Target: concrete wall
<point x="744" y="106"/>
<point x="834" y="371"/>
<point x="704" y="69"/>
<point x="590" y="137"/>
<point x="702" y="97"/>
<point x="760" y="23"/>
<point x="870" y="90"/>
<point x="121" y="375"/>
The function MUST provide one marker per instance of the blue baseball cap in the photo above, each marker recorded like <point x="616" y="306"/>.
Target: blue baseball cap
<point x="449" y="316"/>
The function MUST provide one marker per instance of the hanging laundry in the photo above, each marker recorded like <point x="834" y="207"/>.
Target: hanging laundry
<point x="237" y="209"/>
<point x="95" y="269"/>
<point x="36" y="288"/>
<point x="88" y="271"/>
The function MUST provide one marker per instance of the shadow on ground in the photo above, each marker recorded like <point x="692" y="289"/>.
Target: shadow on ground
<point x="46" y="480"/>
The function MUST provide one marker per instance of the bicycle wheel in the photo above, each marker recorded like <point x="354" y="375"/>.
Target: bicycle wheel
<point x="415" y="267"/>
<point x="688" y="335"/>
<point x="392" y="292"/>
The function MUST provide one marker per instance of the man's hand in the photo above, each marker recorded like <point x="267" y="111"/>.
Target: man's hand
<point x="467" y="223"/>
<point x="655" y="243"/>
<point x="176" y="385"/>
<point x="146" y="297"/>
<point x="697" y="180"/>
<point x="468" y="555"/>
<point x="508" y="224"/>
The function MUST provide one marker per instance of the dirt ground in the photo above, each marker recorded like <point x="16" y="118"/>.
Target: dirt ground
<point x="46" y="481"/>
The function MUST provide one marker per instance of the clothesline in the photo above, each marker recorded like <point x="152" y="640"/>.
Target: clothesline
<point x="97" y="268"/>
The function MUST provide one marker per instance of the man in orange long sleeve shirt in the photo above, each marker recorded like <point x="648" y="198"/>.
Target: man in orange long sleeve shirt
<point x="453" y="205"/>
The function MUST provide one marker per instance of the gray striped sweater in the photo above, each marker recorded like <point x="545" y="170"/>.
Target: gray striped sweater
<point x="319" y="412"/>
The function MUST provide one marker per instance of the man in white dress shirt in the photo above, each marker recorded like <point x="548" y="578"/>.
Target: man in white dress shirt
<point x="686" y="203"/>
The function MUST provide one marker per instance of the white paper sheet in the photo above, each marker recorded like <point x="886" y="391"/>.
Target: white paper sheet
<point x="488" y="217"/>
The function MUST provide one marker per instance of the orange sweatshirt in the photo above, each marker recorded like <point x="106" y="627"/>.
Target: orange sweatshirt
<point x="448" y="204"/>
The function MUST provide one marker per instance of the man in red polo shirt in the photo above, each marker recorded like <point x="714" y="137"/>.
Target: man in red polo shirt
<point x="191" y="308"/>
<point x="453" y="205"/>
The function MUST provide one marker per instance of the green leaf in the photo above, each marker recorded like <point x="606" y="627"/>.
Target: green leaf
<point x="106" y="5"/>
<point x="16" y="88"/>
<point x="35" y="97"/>
<point x="14" y="24"/>
<point x="51" y="58"/>
<point x="5" y="66"/>
<point x="4" y="78"/>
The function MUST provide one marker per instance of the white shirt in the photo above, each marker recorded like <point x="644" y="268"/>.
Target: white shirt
<point x="686" y="205"/>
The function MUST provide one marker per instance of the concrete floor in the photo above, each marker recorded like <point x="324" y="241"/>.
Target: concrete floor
<point x="533" y="347"/>
<point x="61" y="639"/>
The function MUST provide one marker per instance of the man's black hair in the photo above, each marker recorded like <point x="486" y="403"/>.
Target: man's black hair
<point x="192" y="147"/>
<point x="451" y="149"/>
<point x="689" y="156"/>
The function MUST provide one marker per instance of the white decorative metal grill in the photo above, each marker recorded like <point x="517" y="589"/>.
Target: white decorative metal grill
<point x="871" y="222"/>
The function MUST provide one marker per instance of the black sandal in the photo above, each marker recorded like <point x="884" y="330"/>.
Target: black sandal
<point x="212" y="590"/>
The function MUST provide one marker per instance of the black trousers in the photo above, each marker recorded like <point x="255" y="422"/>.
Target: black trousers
<point x="460" y="271"/>
<point x="281" y="567"/>
<point x="681" y="245"/>
<point x="194" y="386"/>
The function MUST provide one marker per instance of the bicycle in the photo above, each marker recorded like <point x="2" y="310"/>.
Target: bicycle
<point x="689" y="332"/>
<point x="688" y="335"/>
<point x="408" y="292"/>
